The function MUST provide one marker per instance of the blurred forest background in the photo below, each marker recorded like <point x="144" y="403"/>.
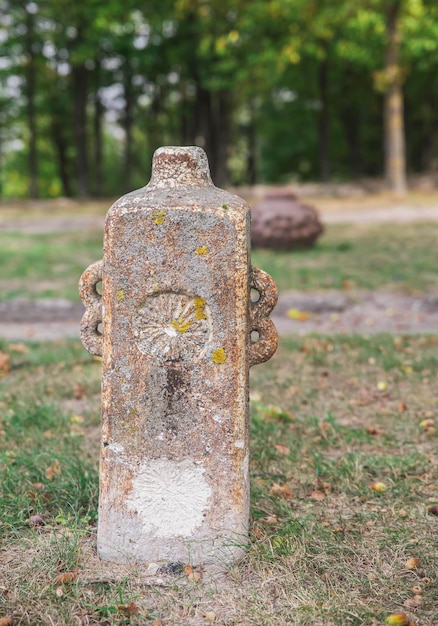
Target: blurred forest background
<point x="274" y="90"/>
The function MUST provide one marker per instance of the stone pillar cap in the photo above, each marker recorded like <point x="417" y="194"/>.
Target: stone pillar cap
<point x="180" y="165"/>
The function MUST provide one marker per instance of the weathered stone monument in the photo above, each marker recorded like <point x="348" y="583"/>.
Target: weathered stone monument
<point x="179" y="333"/>
<point x="281" y="221"/>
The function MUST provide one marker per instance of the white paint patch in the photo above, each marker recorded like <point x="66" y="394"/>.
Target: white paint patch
<point x="170" y="497"/>
<point x="239" y="444"/>
<point x="217" y="418"/>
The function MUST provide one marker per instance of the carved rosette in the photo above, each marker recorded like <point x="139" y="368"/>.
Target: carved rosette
<point x="172" y="326"/>
<point x="90" y="334"/>
<point x="265" y="346"/>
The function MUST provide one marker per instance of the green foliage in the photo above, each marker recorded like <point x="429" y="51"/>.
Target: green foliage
<point x="279" y="87"/>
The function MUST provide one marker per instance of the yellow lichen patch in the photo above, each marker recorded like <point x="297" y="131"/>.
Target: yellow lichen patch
<point x="218" y="356"/>
<point x="199" y="306"/>
<point x="202" y="250"/>
<point x="120" y="295"/>
<point x="181" y="325"/>
<point x="158" y="217"/>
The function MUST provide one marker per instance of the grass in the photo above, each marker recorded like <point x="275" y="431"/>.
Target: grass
<point x="395" y="257"/>
<point x="330" y="416"/>
<point x="46" y="265"/>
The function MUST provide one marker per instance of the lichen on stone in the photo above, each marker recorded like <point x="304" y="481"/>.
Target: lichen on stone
<point x="219" y="356"/>
<point x="199" y="306"/>
<point x="202" y="250"/>
<point x="181" y="325"/>
<point x="120" y="295"/>
<point x="158" y="217"/>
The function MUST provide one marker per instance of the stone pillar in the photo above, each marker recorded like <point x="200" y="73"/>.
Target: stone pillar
<point x="177" y="321"/>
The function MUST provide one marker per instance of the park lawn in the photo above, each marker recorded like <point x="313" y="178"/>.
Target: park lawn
<point x="331" y="418"/>
<point x="397" y="257"/>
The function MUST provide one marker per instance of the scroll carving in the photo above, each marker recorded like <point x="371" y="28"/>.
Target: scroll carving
<point x="90" y="335"/>
<point x="259" y="312"/>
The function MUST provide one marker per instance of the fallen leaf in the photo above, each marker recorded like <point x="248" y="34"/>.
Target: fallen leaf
<point x="338" y="529"/>
<point x="382" y="385"/>
<point x="18" y="347"/>
<point x="402" y="406"/>
<point x="378" y="486"/>
<point x="296" y="314"/>
<point x="282" y="449"/>
<point x="77" y="419"/>
<point x="5" y="361"/>
<point x="271" y="520"/>
<point x="325" y="428"/>
<point x="6" y="621"/>
<point x="258" y="533"/>
<point x="209" y="616"/>
<point x="66" y="578"/>
<point x="53" y="470"/>
<point x="348" y="284"/>
<point x="157" y="622"/>
<point x="130" y="609"/>
<point x="79" y="391"/>
<point x="317" y="495"/>
<point x="397" y="619"/>
<point x="278" y="413"/>
<point x="433" y="509"/>
<point x="192" y="574"/>
<point x="375" y="431"/>
<point x="412" y="563"/>
<point x="282" y="491"/>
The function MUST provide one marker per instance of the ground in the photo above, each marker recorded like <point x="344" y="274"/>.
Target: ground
<point x="344" y="475"/>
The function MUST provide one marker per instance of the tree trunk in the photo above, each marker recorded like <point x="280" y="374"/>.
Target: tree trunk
<point x="61" y="146"/>
<point x="350" y="119"/>
<point x="187" y="124"/>
<point x="80" y="92"/>
<point x="251" y="159"/>
<point x="323" y="120"/>
<point x="203" y="133"/>
<point x="128" y="123"/>
<point x="221" y="127"/>
<point x="395" y="159"/>
<point x="30" y="90"/>
<point x="97" y="128"/>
